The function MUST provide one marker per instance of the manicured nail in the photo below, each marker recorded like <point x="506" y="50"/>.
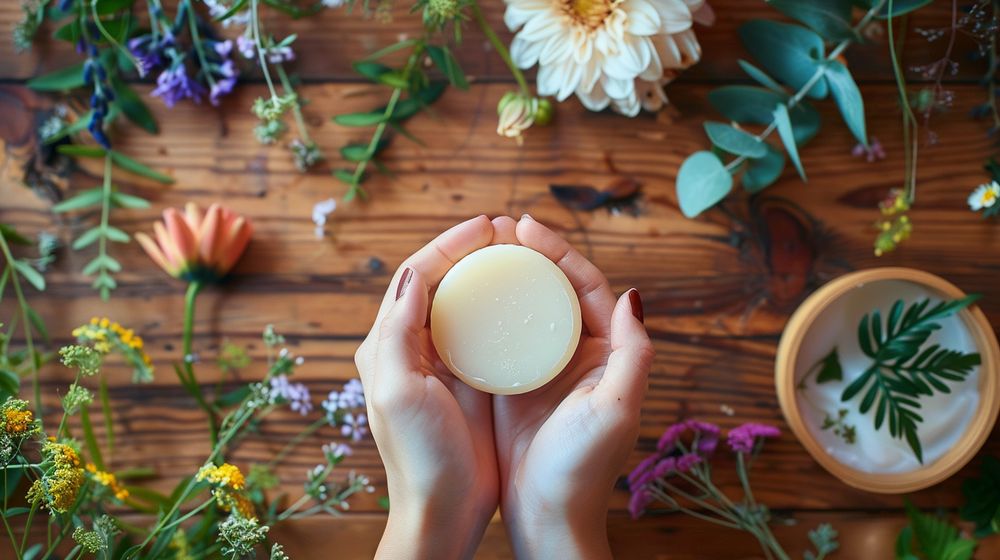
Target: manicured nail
<point x="636" y="303"/>
<point x="404" y="281"/>
<point x="527" y="216"/>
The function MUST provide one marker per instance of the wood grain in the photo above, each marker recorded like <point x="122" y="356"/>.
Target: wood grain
<point x="717" y="290"/>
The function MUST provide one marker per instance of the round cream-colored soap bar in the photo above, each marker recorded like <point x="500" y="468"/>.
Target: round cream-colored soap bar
<point x="505" y="319"/>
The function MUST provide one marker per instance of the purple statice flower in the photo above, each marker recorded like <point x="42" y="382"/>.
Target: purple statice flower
<point x="638" y="502"/>
<point x="149" y="53"/>
<point x="221" y="87"/>
<point x="174" y="84"/>
<point x="687" y="461"/>
<point x="706" y="436"/>
<point x="354" y="426"/>
<point x="743" y="439"/>
<point x="246" y="46"/>
<point x="295" y="394"/>
<point x="666" y="466"/>
<point x="642" y="473"/>
<point x="872" y="152"/>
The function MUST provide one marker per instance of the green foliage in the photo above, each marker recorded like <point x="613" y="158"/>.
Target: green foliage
<point x="824" y="540"/>
<point x="783" y="121"/>
<point x="791" y="53"/>
<point x="902" y="370"/>
<point x="934" y="537"/>
<point x="701" y="182"/>
<point x="848" y="97"/>
<point x="830" y="19"/>
<point x="735" y="141"/>
<point x="982" y="498"/>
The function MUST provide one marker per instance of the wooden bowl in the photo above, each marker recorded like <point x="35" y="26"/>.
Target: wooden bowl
<point x="980" y="425"/>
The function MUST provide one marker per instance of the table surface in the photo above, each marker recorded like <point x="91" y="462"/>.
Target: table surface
<point x="717" y="290"/>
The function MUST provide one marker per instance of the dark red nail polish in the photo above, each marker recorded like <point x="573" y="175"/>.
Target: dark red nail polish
<point x="636" y="303"/>
<point x="404" y="281"/>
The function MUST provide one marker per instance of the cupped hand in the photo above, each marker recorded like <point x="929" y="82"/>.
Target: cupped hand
<point x="561" y="447"/>
<point x="434" y="433"/>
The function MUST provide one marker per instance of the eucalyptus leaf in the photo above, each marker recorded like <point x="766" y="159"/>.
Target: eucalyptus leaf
<point x="789" y="52"/>
<point x="755" y="105"/>
<point x="848" y="97"/>
<point x="829" y="18"/>
<point x="701" y="183"/>
<point x="734" y="140"/>
<point x="60" y="80"/>
<point x="764" y="172"/>
<point x="784" y="124"/>
<point x="761" y="77"/>
<point x="83" y="199"/>
<point x="27" y="272"/>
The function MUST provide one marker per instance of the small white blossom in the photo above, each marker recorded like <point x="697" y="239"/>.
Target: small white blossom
<point x="320" y="212"/>
<point x="985" y="196"/>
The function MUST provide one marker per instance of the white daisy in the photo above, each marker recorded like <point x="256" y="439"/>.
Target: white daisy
<point x="617" y="52"/>
<point x="984" y="196"/>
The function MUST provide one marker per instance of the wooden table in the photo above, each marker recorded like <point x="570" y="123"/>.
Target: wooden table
<point x="717" y="290"/>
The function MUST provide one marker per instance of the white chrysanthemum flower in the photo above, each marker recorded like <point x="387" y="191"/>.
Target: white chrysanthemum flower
<point x="984" y="196"/>
<point x="608" y="52"/>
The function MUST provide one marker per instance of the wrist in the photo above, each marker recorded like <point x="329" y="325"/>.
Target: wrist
<point x="577" y="533"/>
<point x="433" y="529"/>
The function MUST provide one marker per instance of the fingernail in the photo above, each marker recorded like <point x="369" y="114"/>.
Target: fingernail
<point x="636" y="303"/>
<point x="527" y="216"/>
<point x="404" y="281"/>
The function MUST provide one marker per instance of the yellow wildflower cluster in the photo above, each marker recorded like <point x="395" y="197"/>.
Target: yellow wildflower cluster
<point x="60" y="485"/>
<point x="107" y="480"/>
<point x="895" y="225"/>
<point x="229" y="484"/>
<point x="105" y="335"/>
<point x="16" y="420"/>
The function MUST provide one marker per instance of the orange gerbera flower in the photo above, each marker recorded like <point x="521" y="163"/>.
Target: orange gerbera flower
<point x="196" y="246"/>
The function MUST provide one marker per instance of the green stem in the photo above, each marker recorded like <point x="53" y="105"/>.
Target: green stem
<point x="196" y="42"/>
<point x="25" y="319"/>
<point x="188" y="515"/>
<point x="258" y="43"/>
<point x="397" y="92"/>
<point x="670" y="500"/>
<point x="10" y="532"/>
<point x="27" y="526"/>
<point x="304" y="499"/>
<point x="910" y="140"/>
<point x="102" y="241"/>
<point x="813" y="80"/>
<point x="295" y="441"/>
<point x="190" y="298"/>
<point x="300" y="122"/>
<point x="73" y="552"/>
<point x="96" y="18"/>
<point x="68" y="525"/>
<point x="500" y="47"/>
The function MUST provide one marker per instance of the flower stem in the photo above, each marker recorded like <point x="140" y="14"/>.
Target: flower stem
<point x="188" y="515"/>
<point x="499" y="46"/>
<point x="190" y="298"/>
<point x="199" y="49"/>
<point x="910" y="140"/>
<point x="27" y="526"/>
<point x="295" y="441"/>
<point x="816" y="77"/>
<point x="29" y="343"/>
<point x="108" y="36"/>
<point x="259" y="44"/>
<point x="102" y="241"/>
<point x="300" y="122"/>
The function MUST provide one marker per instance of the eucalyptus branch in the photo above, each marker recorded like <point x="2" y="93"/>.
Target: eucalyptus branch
<point x="813" y="80"/>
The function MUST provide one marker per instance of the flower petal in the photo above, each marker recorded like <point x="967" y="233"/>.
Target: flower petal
<point x="154" y="252"/>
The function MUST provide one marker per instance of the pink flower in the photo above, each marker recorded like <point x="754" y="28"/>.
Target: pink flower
<point x="687" y="461"/>
<point x="196" y="246"/>
<point x="642" y="473"/>
<point x="638" y="502"/>
<point x="706" y="436"/>
<point x="873" y="151"/>
<point x="743" y="439"/>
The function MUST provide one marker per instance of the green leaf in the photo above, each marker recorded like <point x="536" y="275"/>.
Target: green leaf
<point x="735" y="141"/>
<point x="784" y="123"/>
<point x="60" y="80"/>
<point x="109" y="425"/>
<point x="132" y="106"/>
<point x="30" y="274"/>
<point x="69" y="32"/>
<point x="117" y="235"/>
<point x="360" y="119"/>
<point x="88" y="238"/>
<point x="10" y="384"/>
<point x="76" y="150"/>
<point x="848" y="98"/>
<point x="391" y="49"/>
<point x="79" y="125"/>
<point x="762" y="173"/>
<point x="371" y="70"/>
<point x="754" y="105"/>
<point x="416" y="102"/>
<point x="982" y="498"/>
<point x="237" y="6"/>
<point x="761" y="77"/>
<point x="359" y="152"/>
<point x="829" y="18"/>
<point x="936" y="538"/>
<point x="830" y="369"/>
<point x="37" y="323"/>
<point x="233" y="397"/>
<point x="108" y="7"/>
<point x="123" y="200"/>
<point x="902" y="7"/>
<point x="129" y="164"/>
<point x="702" y="182"/>
<point x="448" y="64"/>
<point x="345" y="176"/>
<point x="102" y="262"/>
<point x="789" y="52"/>
<point x="12" y="236"/>
<point x="88" y="437"/>
<point x="83" y="199"/>
<point x="15" y="511"/>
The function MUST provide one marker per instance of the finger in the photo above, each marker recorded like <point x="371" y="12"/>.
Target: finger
<point x="504" y="231"/>
<point x="433" y="260"/>
<point x="397" y="355"/>
<point x="627" y="373"/>
<point x="596" y="299"/>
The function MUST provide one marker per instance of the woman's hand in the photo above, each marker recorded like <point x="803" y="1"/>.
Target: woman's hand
<point x="435" y="433"/>
<point x="561" y="447"/>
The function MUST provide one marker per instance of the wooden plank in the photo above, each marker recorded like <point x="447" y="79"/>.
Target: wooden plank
<point x="344" y="37"/>
<point x="717" y="290"/>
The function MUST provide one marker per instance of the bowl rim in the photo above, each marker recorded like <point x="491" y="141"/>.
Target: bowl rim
<point x="979" y="427"/>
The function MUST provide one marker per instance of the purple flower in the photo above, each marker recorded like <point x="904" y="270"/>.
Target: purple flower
<point x="223" y="48"/>
<point x="220" y="88"/>
<point x="295" y="394"/>
<point x="638" y="502"/>
<point x="743" y="439"/>
<point x="642" y="473"/>
<point x="665" y="467"/>
<point x="873" y="151"/>
<point x="355" y="426"/>
<point x="706" y="436"/>
<point x="336" y="451"/>
<point x="246" y="46"/>
<point x="175" y="85"/>
<point x="687" y="461"/>
<point x="277" y="55"/>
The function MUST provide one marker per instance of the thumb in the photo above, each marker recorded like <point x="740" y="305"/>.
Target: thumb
<point x="626" y="375"/>
<point x="398" y="355"/>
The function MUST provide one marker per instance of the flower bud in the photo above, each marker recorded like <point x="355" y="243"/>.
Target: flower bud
<point x="517" y="112"/>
